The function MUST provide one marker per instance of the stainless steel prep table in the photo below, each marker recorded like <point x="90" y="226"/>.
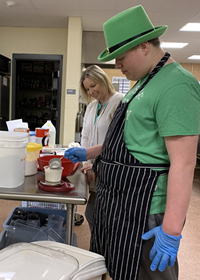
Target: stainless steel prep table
<point x="29" y="192"/>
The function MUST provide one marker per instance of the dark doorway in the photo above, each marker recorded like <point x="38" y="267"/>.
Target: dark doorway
<point x="36" y="89"/>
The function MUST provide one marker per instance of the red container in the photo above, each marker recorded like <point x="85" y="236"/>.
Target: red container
<point x="67" y="164"/>
<point x="42" y="136"/>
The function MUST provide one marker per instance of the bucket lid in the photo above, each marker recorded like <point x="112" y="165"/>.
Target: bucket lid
<point x="13" y="136"/>
<point x="33" y="147"/>
<point x="30" y="261"/>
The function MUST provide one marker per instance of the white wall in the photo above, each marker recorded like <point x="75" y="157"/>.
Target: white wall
<point x="74" y="52"/>
<point x="67" y="42"/>
<point x="93" y="44"/>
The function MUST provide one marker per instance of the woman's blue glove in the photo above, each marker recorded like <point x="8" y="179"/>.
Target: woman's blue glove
<point x="164" y="250"/>
<point x="76" y="154"/>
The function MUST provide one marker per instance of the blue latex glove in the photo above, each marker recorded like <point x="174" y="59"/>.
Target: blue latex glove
<point x="76" y="154"/>
<point x="164" y="250"/>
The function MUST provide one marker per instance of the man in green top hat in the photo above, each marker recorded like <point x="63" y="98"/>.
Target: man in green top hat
<point x="146" y="164"/>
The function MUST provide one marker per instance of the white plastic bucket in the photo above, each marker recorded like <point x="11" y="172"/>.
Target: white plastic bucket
<point x="12" y="158"/>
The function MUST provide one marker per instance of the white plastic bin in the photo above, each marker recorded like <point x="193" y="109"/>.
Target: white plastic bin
<point x="50" y="261"/>
<point x="12" y="158"/>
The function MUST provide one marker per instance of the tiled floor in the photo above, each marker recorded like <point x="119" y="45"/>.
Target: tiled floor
<point x="189" y="252"/>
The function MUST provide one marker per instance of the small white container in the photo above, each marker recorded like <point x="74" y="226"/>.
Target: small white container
<point x="12" y="158"/>
<point x="32" y="137"/>
<point x="53" y="175"/>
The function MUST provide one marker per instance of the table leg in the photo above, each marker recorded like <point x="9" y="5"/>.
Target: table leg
<point x="69" y="224"/>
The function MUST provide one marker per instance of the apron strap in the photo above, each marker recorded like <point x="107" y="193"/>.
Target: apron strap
<point x="96" y="163"/>
<point x="160" y="64"/>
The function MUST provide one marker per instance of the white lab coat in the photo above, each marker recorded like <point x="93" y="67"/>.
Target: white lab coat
<point x="94" y="133"/>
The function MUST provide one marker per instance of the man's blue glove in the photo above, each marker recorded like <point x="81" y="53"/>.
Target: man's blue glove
<point x="76" y="154"/>
<point x="164" y="250"/>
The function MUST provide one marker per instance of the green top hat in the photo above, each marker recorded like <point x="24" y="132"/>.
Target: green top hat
<point x="127" y="30"/>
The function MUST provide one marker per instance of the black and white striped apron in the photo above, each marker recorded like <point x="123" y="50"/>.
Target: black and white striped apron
<point x="124" y="191"/>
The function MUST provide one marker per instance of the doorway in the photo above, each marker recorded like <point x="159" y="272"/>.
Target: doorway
<point x="36" y="89"/>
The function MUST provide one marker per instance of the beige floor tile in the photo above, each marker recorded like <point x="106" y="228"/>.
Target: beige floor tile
<point x="189" y="252"/>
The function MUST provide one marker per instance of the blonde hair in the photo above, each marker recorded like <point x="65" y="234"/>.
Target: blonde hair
<point x="97" y="75"/>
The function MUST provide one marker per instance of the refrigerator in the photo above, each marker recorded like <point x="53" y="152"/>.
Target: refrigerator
<point x="4" y="91"/>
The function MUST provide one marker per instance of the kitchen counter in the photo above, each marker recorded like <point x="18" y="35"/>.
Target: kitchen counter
<point x="29" y="191"/>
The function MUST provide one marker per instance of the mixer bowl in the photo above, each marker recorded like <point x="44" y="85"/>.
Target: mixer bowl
<point x="67" y="164"/>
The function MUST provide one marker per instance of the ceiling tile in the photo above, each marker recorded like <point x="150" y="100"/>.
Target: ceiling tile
<point x="54" y="14"/>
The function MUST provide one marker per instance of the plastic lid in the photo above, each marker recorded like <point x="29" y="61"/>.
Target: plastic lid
<point x="29" y="261"/>
<point x="13" y="136"/>
<point x="13" y="139"/>
<point x="48" y="123"/>
<point x="33" y="147"/>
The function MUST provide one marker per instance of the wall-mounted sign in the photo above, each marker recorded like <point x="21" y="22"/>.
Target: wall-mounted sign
<point x="124" y="84"/>
<point x="71" y="91"/>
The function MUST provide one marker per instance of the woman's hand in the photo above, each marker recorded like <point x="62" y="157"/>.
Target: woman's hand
<point x="87" y="170"/>
<point x="86" y="167"/>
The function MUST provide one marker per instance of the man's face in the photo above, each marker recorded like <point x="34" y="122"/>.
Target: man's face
<point x="132" y="64"/>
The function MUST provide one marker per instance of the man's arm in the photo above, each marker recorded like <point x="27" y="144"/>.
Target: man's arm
<point x="77" y="154"/>
<point x="182" y="153"/>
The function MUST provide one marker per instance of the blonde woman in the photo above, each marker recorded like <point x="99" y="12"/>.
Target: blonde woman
<point x="102" y="100"/>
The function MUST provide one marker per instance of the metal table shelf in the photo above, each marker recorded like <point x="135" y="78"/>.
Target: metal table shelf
<point x="29" y="192"/>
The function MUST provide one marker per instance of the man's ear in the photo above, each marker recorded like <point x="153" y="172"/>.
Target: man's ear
<point x="145" y="47"/>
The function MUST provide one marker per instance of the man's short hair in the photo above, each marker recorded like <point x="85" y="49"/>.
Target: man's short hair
<point x="155" y="42"/>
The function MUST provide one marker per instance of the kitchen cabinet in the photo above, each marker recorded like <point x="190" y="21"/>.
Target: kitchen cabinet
<point x="36" y="92"/>
<point x="36" y="89"/>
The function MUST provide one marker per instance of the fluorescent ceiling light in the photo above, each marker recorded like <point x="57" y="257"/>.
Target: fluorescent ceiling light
<point x="173" y="45"/>
<point x="194" y="57"/>
<point x="10" y="3"/>
<point x="191" y="27"/>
